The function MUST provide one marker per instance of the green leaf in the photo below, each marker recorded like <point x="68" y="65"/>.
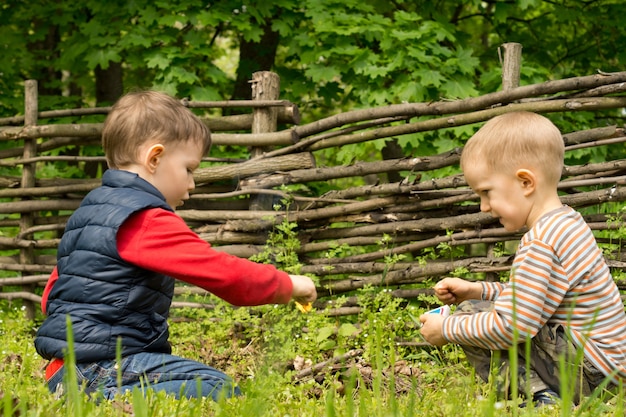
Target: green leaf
<point x="320" y="73"/>
<point x="205" y="94"/>
<point x="102" y="57"/>
<point x="158" y="60"/>
<point x="458" y="88"/>
<point x="324" y="333"/>
<point x="347" y="329"/>
<point x="430" y="77"/>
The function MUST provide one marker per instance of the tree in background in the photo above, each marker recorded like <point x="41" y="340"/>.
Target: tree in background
<point x="331" y="55"/>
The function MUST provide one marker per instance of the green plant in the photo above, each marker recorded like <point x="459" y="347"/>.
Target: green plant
<point x="445" y="385"/>
<point x="282" y="245"/>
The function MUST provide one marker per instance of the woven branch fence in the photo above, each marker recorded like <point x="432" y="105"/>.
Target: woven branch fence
<point x="395" y="235"/>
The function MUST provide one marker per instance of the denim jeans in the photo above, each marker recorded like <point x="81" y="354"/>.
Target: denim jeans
<point x="160" y="372"/>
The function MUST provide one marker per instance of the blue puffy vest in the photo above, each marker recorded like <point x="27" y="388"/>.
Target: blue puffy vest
<point x="106" y="297"/>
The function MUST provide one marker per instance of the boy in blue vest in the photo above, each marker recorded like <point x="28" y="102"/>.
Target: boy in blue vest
<point x="123" y="249"/>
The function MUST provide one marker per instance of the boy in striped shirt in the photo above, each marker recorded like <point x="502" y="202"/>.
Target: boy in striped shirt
<point x="560" y="293"/>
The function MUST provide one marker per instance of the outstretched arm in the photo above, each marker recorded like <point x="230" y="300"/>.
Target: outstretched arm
<point x="456" y="290"/>
<point x="303" y="289"/>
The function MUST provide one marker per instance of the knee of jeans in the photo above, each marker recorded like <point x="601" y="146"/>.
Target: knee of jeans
<point x="226" y="390"/>
<point x="55" y="384"/>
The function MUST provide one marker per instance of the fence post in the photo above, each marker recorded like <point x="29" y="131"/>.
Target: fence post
<point x="265" y="86"/>
<point x="29" y="170"/>
<point x="511" y="67"/>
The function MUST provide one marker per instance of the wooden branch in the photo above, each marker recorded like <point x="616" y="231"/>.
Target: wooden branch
<point x="251" y="222"/>
<point x="242" y="251"/>
<point x="416" y="273"/>
<point x="26" y="267"/>
<point x="84" y="187"/>
<point x="26" y="279"/>
<point x="255" y="166"/>
<point x="231" y="238"/>
<point x="87" y="130"/>
<point x="410" y="109"/>
<point x="21" y="295"/>
<point x="466" y="221"/>
<point x="396" y="188"/>
<point x="355" y="170"/>
<point x="568" y="184"/>
<point x="466" y="105"/>
<point x="307" y="372"/>
<point x="590" y="135"/>
<point x="617" y="165"/>
<point x="86" y="111"/>
<point x="581" y="104"/>
<point x="287" y="113"/>
<point x="602" y="90"/>
<point x="48" y="131"/>
<point x="14" y="243"/>
<point x="596" y="143"/>
<point x="222" y="216"/>
<point x="52" y="144"/>
<point x="330" y="267"/>
<point x="615" y="194"/>
<point x="238" y="103"/>
<point x="53" y="159"/>
<point x="38" y="205"/>
<point x="304" y="144"/>
<point x="237" y="122"/>
<point x="367" y="261"/>
<point x="281" y="194"/>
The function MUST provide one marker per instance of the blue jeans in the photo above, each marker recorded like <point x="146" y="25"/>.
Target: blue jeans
<point x="156" y="371"/>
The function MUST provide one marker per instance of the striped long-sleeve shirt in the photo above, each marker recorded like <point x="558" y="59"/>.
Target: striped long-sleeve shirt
<point x="559" y="275"/>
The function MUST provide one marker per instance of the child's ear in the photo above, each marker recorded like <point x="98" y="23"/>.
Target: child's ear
<point x="527" y="180"/>
<point x="152" y="157"/>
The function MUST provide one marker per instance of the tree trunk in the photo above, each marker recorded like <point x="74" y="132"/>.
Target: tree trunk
<point x="109" y="84"/>
<point x="254" y="57"/>
<point x="109" y="88"/>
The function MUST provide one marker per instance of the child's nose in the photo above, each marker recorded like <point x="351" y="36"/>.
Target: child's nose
<point x="484" y="206"/>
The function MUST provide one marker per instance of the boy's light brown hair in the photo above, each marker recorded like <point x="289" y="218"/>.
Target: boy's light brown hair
<point x="142" y="116"/>
<point x="517" y="140"/>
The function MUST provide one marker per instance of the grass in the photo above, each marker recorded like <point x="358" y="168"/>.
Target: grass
<point x="258" y="348"/>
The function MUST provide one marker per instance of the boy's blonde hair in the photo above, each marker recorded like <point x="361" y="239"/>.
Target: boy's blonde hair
<point x="517" y="140"/>
<point x="144" y="116"/>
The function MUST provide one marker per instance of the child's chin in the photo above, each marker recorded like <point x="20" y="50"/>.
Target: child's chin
<point x="508" y="227"/>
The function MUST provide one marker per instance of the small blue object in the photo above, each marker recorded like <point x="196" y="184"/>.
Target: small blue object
<point x="442" y="311"/>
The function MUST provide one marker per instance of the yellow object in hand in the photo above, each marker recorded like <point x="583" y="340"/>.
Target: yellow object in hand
<point x="304" y="308"/>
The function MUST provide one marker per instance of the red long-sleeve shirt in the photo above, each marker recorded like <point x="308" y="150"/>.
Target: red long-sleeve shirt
<point x="160" y="241"/>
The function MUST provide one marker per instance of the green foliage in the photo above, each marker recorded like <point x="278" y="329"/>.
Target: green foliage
<point x="266" y="340"/>
<point x="332" y="55"/>
<point x="281" y="247"/>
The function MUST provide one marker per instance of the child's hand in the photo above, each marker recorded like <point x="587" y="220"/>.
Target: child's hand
<point x="456" y="290"/>
<point x="432" y="329"/>
<point x="303" y="289"/>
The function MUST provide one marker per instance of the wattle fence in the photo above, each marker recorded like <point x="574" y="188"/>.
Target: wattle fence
<point x="396" y="234"/>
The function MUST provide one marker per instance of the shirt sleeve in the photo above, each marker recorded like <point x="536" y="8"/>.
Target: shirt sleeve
<point x="160" y="241"/>
<point x="491" y="290"/>
<point x="520" y="308"/>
